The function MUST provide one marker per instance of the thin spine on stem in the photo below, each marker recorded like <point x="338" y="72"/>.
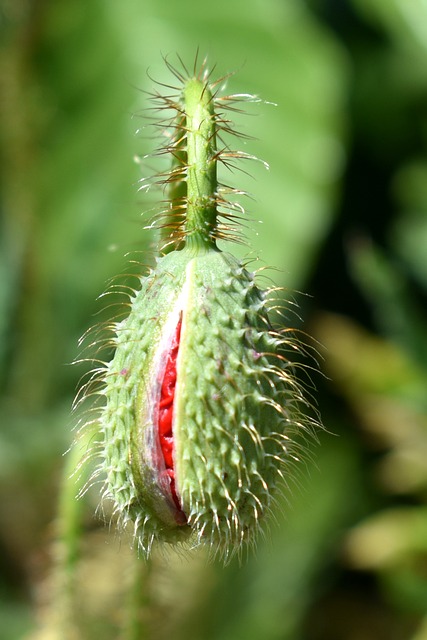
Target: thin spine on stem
<point x="196" y="203"/>
<point x="199" y="403"/>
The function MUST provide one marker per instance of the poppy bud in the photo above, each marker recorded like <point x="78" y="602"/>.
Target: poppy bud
<point x="200" y="400"/>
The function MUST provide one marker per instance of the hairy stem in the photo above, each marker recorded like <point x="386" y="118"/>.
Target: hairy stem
<point x="172" y="230"/>
<point x="201" y="216"/>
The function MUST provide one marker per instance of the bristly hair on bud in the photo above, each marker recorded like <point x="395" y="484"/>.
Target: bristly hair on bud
<point x="199" y="406"/>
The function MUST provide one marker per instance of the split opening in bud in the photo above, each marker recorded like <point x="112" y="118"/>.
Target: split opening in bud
<point x="165" y="418"/>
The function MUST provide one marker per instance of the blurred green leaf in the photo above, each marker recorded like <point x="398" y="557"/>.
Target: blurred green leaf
<point x="405" y="21"/>
<point x="409" y="231"/>
<point x="384" y="284"/>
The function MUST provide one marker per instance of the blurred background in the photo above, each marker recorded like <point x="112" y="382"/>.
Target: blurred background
<point x="344" y="220"/>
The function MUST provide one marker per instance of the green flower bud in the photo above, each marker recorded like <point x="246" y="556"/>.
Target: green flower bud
<point x="230" y="417"/>
<point x="200" y="399"/>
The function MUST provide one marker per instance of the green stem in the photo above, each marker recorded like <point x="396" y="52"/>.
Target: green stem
<point x="137" y="614"/>
<point x="65" y="609"/>
<point x="201" y="215"/>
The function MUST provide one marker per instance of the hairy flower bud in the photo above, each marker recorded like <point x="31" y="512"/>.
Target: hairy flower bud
<point x="227" y="404"/>
<point x="200" y="399"/>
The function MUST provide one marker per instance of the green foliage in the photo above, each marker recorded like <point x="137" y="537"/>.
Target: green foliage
<point x="344" y="217"/>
